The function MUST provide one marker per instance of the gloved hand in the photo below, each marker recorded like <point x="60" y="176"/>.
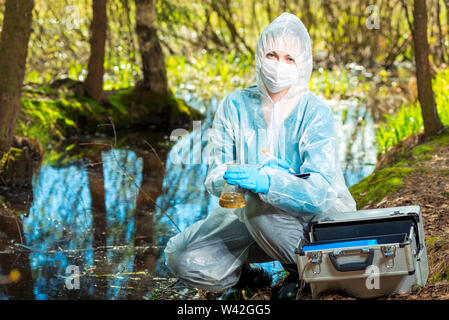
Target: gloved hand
<point x="250" y="178"/>
<point x="278" y="164"/>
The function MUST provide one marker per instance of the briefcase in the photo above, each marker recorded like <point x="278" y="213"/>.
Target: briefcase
<point x="366" y="253"/>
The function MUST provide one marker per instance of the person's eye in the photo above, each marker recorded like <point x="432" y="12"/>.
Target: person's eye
<point x="270" y="55"/>
<point x="290" y="59"/>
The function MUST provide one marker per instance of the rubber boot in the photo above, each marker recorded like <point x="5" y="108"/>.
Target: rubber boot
<point x="251" y="280"/>
<point x="288" y="290"/>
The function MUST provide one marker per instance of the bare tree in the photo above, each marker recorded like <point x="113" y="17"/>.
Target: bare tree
<point x="95" y="68"/>
<point x="13" y="53"/>
<point x="426" y="97"/>
<point x="153" y="62"/>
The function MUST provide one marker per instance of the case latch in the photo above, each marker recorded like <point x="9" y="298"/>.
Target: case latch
<point x="389" y="252"/>
<point x="315" y="258"/>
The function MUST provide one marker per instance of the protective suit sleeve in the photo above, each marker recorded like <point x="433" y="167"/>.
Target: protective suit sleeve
<point x="220" y="148"/>
<point x="318" y="152"/>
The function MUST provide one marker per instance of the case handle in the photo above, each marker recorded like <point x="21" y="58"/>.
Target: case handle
<point x="353" y="266"/>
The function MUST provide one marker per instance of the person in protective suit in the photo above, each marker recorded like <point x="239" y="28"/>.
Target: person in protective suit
<point x="281" y="115"/>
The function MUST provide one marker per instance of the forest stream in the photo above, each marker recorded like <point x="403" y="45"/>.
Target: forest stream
<point x="105" y="111"/>
<point x="106" y="210"/>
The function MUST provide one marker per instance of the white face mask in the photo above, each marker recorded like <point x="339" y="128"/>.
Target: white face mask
<point x="277" y="75"/>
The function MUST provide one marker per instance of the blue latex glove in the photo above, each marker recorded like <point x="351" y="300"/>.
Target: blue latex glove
<point x="250" y="178"/>
<point x="278" y="164"/>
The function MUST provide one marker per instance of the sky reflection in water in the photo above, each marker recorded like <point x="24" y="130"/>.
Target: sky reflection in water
<point x="59" y="226"/>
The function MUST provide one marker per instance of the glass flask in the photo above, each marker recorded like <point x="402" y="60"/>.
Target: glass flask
<point x="232" y="196"/>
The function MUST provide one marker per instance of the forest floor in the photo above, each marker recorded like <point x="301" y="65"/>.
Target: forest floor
<point x="424" y="181"/>
<point x="412" y="173"/>
<point x="427" y="186"/>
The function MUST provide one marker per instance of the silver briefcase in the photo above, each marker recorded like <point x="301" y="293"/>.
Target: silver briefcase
<point x="366" y="253"/>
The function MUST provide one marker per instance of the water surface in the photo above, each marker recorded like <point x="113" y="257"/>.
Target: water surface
<point x="107" y="209"/>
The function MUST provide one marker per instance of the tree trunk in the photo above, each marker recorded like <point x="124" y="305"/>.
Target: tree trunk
<point x="153" y="62"/>
<point x="426" y="97"/>
<point x="95" y="68"/>
<point x="13" y="52"/>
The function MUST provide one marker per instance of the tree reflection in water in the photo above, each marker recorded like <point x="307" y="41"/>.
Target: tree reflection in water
<point x="112" y="212"/>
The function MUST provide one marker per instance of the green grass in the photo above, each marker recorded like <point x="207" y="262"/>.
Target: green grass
<point x="408" y="120"/>
<point x="381" y="183"/>
<point x="210" y="74"/>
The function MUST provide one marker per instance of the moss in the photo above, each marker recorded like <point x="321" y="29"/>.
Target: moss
<point x="441" y="139"/>
<point x="407" y="153"/>
<point x="403" y="163"/>
<point x="51" y="115"/>
<point x="130" y="106"/>
<point x="424" y="148"/>
<point x="424" y="157"/>
<point x="66" y="114"/>
<point x="429" y="147"/>
<point x="379" y="184"/>
<point x="119" y="101"/>
<point x="444" y="172"/>
<point x="50" y="119"/>
<point x="140" y="107"/>
<point x="431" y="241"/>
<point x="182" y="110"/>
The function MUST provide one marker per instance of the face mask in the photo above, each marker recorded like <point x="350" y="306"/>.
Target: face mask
<point x="277" y="75"/>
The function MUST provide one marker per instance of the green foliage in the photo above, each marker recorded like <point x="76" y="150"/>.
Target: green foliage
<point x="59" y="44"/>
<point x="210" y="74"/>
<point x="334" y="83"/>
<point x="405" y="123"/>
<point x="408" y="120"/>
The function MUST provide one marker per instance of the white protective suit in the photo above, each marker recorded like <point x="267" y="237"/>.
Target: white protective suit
<point x="298" y="129"/>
